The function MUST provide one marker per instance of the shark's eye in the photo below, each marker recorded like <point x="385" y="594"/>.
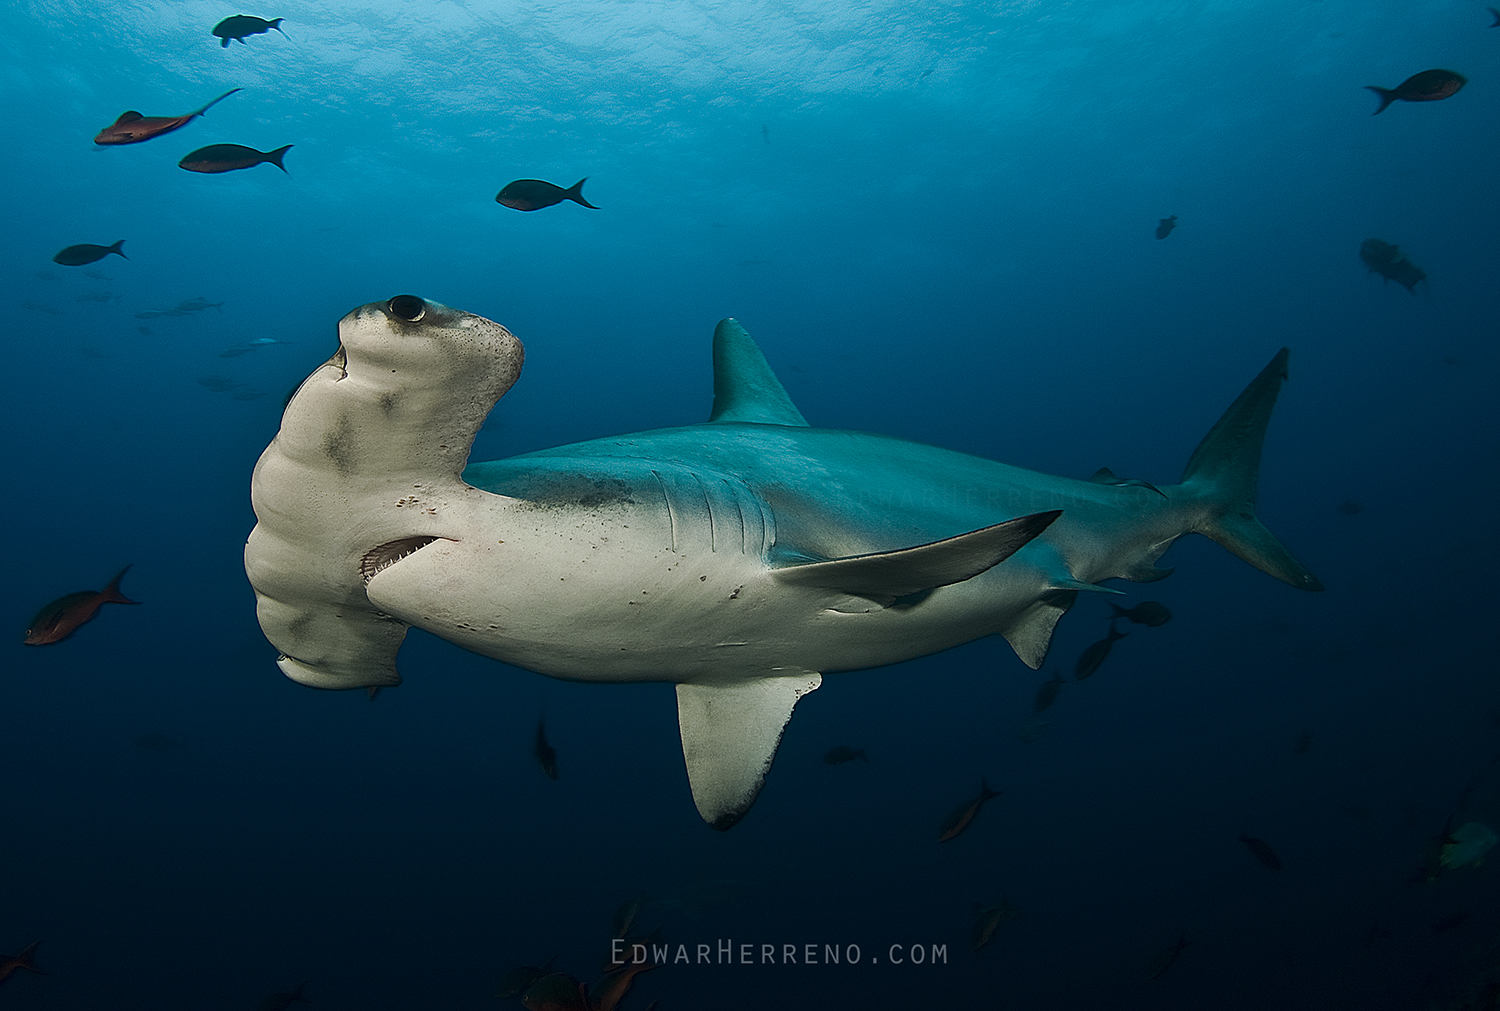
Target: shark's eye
<point x="407" y="307"/>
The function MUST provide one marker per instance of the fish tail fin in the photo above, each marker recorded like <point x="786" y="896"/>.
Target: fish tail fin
<point x="112" y="594"/>
<point x="277" y="24"/>
<point x="1386" y="97"/>
<point x="27" y="958"/>
<point x="985" y="793"/>
<point x="1221" y="477"/>
<point x="575" y="193"/>
<point x="274" y="157"/>
<point x="116" y="249"/>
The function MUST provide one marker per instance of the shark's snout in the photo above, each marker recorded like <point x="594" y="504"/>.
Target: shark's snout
<point x="408" y="308"/>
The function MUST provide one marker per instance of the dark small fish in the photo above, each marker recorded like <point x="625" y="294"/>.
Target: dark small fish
<point x="1387" y="260"/>
<point x="87" y="252"/>
<point x="624" y="917"/>
<point x="25" y="960"/>
<point x="61" y="618"/>
<point x="765" y="133"/>
<point x="247" y="393"/>
<point x="1096" y="652"/>
<point x="217" y="383"/>
<point x="1496" y="14"/>
<point x="1150" y="613"/>
<point x="1032" y="729"/>
<point x="987" y="920"/>
<point x="1165" y="225"/>
<point x="39" y="307"/>
<point x="1263" y="852"/>
<point x="556" y="991"/>
<point x="282" y="1001"/>
<point x="1450" y="922"/>
<point x="964" y="815"/>
<point x="1428" y="86"/>
<point x="199" y="304"/>
<point x="241" y="25"/>
<point x="1351" y="508"/>
<point x="1047" y="693"/>
<point x="132" y="127"/>
<point x="607" y="991"/>
<point x="1164" y="959"/>
<point x="843" y="753"/>
<point x="516" y="982"/>
<point x="228" y="157"/>
<point x="533" y="194"/>
<point x="1303" y="744"/>
<point x="546" y="755"/>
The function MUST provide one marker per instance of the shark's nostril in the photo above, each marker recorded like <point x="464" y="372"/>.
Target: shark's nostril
<point x="407" y="307"/>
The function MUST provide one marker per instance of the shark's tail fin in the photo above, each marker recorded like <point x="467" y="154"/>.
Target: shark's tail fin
<point x="1224" y="470"/>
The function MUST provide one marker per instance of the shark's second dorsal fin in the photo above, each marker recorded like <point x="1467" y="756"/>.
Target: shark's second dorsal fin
<point x="745" y="388"/>
<point x="889" y="574"/>
<point x="729" y="737"/>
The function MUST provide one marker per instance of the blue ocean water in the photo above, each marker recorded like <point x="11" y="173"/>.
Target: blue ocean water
<point x="937" y="219"/>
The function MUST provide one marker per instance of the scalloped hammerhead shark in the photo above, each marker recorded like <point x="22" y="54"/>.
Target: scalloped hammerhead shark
<point x="741" y="558"/>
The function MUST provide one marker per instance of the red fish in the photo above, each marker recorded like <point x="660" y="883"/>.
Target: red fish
<point x="228" y="157"/>
<point x="965" y="813"/>
<point x="59" y="619"/>
<point x="10" y="963"/>
<point x="1428" y="86"/>
<point x="132" y="127"/>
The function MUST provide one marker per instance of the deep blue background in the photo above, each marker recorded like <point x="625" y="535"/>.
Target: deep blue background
<point x="937" y="220"/>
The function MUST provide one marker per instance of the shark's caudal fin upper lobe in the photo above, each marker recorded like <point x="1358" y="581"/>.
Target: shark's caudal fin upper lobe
<point x="1223" y="473"/>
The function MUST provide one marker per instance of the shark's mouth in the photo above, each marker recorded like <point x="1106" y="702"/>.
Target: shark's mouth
<point x="385" y="555"/>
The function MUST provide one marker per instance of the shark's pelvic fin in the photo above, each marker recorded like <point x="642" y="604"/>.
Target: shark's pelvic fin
<point x="889" y="574"/>
<point x="1031" y="633"/>
<point x="729" y="737"/>
<point x="745" y="388"/>
<point x="1224" y="471"/>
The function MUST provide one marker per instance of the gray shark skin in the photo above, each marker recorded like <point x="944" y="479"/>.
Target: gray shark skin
<point x="741" y="558"/>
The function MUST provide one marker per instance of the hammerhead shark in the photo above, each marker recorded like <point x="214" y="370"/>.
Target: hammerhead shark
<point x="741" y="558"/>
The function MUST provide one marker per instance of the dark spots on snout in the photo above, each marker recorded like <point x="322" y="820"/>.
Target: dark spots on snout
<point x="338" y="446"/>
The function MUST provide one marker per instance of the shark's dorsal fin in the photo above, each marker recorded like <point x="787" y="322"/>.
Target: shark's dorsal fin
<point x="745" y="388"/>
<point x="887" y="574"/>
<point x="729" y="737"/>
<point x="128" y="117"/>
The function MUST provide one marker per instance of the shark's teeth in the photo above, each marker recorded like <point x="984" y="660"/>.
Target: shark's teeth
<point x="390" y="553"/>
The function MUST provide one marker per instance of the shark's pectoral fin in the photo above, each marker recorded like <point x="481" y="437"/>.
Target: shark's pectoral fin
<point x="887" y="574"/>
<point x="729" y="737"/>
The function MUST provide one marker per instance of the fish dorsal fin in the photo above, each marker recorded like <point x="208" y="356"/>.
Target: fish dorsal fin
<point x="128" y="117"/>
<point x="889" y="574"/>
<point x="729" y="737"/>
<point x="745" y="388"/>
<point x="1104" y="476"/>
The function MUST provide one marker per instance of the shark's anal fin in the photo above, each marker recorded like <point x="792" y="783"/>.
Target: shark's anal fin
<point x="729" y="737"/>
<point x="888" y="574"/>
<point x="745" y="388"/>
